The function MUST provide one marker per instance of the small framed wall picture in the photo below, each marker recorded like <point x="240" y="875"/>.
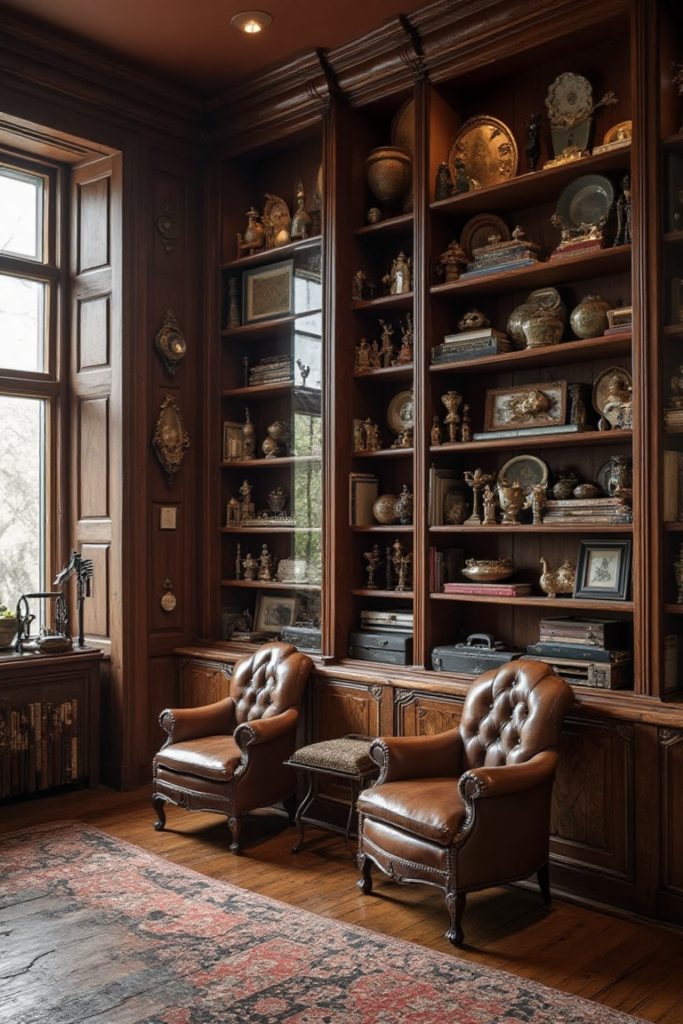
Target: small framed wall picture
<point x="273" y="611"/>
<point x="268" y="292"/>
<point x="232" y="441"/>
<point x="603" y="571"/>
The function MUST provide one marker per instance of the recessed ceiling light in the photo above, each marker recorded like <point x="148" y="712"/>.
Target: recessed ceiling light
<point x="251" y="21"/>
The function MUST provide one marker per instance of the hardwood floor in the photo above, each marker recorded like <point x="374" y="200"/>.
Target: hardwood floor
<point x="627" y="965"/>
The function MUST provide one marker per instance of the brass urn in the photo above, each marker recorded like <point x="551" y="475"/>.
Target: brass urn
<point x="390" y="172"/>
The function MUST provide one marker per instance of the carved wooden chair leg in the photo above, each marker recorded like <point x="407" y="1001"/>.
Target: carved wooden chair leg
<point x="235" y="825"/>
<point x="159" y="806"/>
<point x="364" y="883"/>
<point x="543" y="876"/>
<point x="455" y="901"/>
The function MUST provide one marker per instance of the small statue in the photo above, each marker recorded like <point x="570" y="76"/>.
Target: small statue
<point x="254" y="237"/>
<point x="462" y="182"/>
<point x="678" y="566"/>
<point x="359" y="283"/>
<point x="466" y="427"/>
<point x="400" y="276"/>
<point x="304" y="371"/>
<point x="374" y="215"/>
<point x="477" y="480"/>
<point x="403" y="568"/>
<point x="618" y="407"/>
<point x="533" y="140"/>
<point x="405" y="352"/>
<point x="473" y="320"/>
<point x="389" y="567"/>
<point x="301" y="221"/>
<point x="371" y="435"/>
<point x="404" y="506"/>
<point x="250" y="566"/>
<point x="265" y="565"/>
<point x="373" y="560"/>
<point x="248" y="437"/>
<point x="436" y="433"/>
<point x="238" y="562"/>
<point x="443" y="188"/>
<point x="452" y="402"/>
<point x="450" y="263"/>
<point x="362" y="361"/>
<point x="233" y="308"/>
<point x="490" y="505"/>
<point x="232" y="515"/>
<point x="374" y="357"/>
<point x="623" y="235"/>
<point x="578" y="413"/>
<point x="245" y="492"/>
<point x="386" y="350"/>
<point x="536" y="502"/>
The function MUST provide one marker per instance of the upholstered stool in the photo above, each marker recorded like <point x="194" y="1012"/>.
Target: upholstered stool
<point x="345" y="758"/>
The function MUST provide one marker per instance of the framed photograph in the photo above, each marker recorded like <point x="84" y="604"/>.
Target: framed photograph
<point x="273" y="611"/>
<point x="603" y="571"/>
<point x="527" y="405"/>
<point x="232" y="441"/>
<point x="268" y="292"/>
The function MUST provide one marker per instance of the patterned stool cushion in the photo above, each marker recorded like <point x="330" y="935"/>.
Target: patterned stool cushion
<point x="347" y="754"/>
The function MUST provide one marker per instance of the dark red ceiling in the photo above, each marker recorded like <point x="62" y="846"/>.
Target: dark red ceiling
<point x="193" y="41"/>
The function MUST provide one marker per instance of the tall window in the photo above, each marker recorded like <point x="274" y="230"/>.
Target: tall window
<point x="29" y="382"/>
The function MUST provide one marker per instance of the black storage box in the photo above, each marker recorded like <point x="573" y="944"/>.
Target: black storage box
<point x="394" y="648"/>
<point x="480" y="653"/>
<point x="306" y="638"/>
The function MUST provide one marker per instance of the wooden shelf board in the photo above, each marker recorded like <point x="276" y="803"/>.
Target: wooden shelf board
<point x="565" y="352"/>
<point x="587" y="437"/>
<point x="402" y="372"/>
<point x="398" y="595"/>
<point x="383" y="453"/>
<point x="272" y="255"/>
<point x="285" y="460"/>
<point x="596" y="264"/>
<point x="542" y="602"/>
<point x="270" y="529"/>
<point x="577" y="527"/>
<point x="260" y="391"/>
<point x="673" y="527"/>
<point x="403" y="301"/>
<point x="673" y="238"/>
<point x="400" y="225"/>
<point x="379" y="528"/>
<point x="530" y="189"/>
<point x="674" y="142"/>
<point x="674" y="330"/>
<point x="268" y="585"/>
<point x="265" y="328"/>
<point x="673" y="609"/>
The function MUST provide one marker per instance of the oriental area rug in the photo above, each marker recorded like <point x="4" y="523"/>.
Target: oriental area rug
<point x="93" y="929"/>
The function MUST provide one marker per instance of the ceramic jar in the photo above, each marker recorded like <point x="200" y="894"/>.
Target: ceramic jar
<point x="589" y="318"/>
<point x="542" y="329"/>
<point x="389" y="170"/>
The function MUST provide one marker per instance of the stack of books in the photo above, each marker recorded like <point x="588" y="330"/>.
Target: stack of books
<point x="398" y="621"/>
<point x="589" y="510"/>
<point x="470" y="345"/>
<point x="586" y="652"/>
<point x="271" y="370"/>
<point x="501" y="589"/>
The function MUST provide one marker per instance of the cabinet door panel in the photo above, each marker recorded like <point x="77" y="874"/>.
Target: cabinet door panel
<point x="592" y="813"/>
<point x="203" y="682"/>
<point x="340" y="708"/>
<point x="423" y="714"/>
<point x="671" y="775"/>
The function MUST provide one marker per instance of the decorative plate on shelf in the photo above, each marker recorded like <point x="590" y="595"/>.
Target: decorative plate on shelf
<point x="526" y="470"/>
<point x="488" y="149"/>
<point x="588" y="200"/>
<point x="619" y="133"/>
<point x="569" y="100"/>
<point x="605" y="383"/>
<point x="401" y="412"/>
<point x="479" y="229"/>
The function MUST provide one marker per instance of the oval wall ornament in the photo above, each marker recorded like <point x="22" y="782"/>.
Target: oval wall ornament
<point x="170" y="440"/>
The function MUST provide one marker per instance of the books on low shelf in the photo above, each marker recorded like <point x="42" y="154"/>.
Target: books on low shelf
<point x="470" y="345"/>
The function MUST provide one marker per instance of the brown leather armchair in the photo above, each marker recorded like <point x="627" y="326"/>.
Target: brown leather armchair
<point x="470" y="808"/>
<point x="228" y="757"/>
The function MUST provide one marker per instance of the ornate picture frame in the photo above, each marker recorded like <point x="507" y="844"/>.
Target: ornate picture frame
<point x="526" y="405"/>
<point x="268" y="292"/>
<point x="233" y="441"/>
<point x="603" y="569"/>
<point x="274" y="611"/>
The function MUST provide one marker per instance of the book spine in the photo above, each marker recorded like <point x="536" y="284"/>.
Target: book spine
<point x="460" y="588"/>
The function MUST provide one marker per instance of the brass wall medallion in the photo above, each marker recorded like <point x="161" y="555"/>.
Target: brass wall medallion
<point x="170" y="344"/>
<point x="168" y="227"/>
<point x="170" y="440"/>
<point x="488" y="149"/>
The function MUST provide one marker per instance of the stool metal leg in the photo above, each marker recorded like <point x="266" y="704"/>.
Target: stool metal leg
<point x="303" y="807"/>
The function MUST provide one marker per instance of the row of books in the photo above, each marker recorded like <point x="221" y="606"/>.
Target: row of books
<point x="487" y="589"/>
<point x="38" y="746"/>
<point x="445" y="566"/>
<point x="271" y="370"/>
<point x="394" y="621"/>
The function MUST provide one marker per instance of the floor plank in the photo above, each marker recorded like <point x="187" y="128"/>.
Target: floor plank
<point x="623" y="963"/>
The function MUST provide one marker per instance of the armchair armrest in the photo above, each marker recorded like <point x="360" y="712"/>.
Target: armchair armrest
<point x="193" y="723"/>
<point x="480" y="783"/>
<point x="263" y="730"/>
<point x="417" y="757"/>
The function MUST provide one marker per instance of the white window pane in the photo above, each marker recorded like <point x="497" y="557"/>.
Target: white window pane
<point x="22" y="497"/>
<point x="21" y="215"/>
<point x="22" y="324"/>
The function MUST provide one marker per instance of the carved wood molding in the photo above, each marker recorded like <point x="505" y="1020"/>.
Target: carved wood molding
<point x="402" y="698"/>
<point x="669" y="737"/>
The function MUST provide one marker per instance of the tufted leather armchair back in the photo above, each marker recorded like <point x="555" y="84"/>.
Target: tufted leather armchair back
<point x="268" y="682"/>
<point x="512" y="713"/>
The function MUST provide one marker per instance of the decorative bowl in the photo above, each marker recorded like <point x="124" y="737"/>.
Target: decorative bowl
<point x="488" y="570"/>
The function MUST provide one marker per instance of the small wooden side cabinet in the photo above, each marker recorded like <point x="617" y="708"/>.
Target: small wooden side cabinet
<point x="49" y="721"/>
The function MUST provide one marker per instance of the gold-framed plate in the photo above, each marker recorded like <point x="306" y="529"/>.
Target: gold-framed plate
<point x="488" y="149"/>
<point x="401" y="412"/>
<point x="604" y="384"/>
<point x="479" y="229"/>
<point x="525" y="470"/>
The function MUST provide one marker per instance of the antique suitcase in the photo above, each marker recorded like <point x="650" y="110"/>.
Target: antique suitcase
<point x="597" y="675"/>
<point x="599" y="632"/>
<point x="580" y="652"/>
<point x="480" y="653"/>
<point x="306" y="638"/>
<point x="390" y="647"/>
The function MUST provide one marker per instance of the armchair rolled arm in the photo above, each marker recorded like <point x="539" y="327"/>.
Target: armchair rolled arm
<point x="263" y="730"/>
<point x="417" y="757"/>
<point x="480" y="783"/>
<point x="192" y="723"/>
